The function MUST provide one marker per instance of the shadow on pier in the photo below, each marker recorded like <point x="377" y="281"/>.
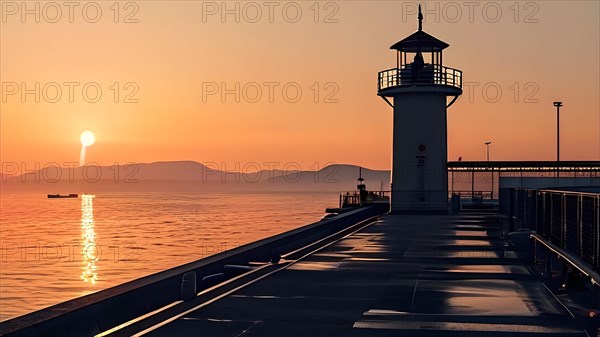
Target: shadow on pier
<point x="401" y="276"/>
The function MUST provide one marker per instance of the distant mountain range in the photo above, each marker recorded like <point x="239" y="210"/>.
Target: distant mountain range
<point x="191" y="176"/>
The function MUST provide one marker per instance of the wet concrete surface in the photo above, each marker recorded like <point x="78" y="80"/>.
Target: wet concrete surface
<point x="406" y="275"/>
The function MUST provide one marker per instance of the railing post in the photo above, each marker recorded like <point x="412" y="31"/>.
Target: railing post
<point x="580" y="225"/>
<point x="548" y="266"/>
<point x="540" y="217"/>
<point x="596" y="232"/>
<point x="537" y="211"/>
<point x="563" y="227"/>
<point x="547" y="216"/>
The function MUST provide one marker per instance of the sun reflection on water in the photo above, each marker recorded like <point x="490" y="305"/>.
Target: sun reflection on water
<point x="89" y="251"/>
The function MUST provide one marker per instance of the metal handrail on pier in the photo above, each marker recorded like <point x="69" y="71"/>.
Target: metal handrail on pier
<point x="473" y="195"/>
<point x="353" y="199"/>
<point x="566" y="223"/>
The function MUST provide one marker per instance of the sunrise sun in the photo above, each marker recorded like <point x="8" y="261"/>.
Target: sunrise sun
<point x="87" y="138"/>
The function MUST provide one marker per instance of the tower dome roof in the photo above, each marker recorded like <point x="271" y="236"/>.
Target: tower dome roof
<point x="419" y="40"/>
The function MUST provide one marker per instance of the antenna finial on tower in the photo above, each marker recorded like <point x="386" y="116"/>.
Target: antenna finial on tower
<point x="420" y="19"/>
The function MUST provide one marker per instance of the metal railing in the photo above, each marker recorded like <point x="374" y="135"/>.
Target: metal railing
<point x="415" y="197"/>
<point x="569" y="220"/>
<point x="430" y="74"/>
<point x="474" y="195"/>
<point x="352" y="199"/>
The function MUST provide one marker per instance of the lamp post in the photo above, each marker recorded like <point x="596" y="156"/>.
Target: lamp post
<point x="557" y="105"/>
<point x="487" y="151"/>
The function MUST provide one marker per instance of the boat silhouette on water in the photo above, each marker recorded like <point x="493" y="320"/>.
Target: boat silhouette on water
<point x="61" y="196"/>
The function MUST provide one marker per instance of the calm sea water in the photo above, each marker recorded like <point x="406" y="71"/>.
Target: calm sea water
<point x="53" y="250"/>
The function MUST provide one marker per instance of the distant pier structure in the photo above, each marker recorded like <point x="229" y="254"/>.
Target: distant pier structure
<point x="419" y="89"/>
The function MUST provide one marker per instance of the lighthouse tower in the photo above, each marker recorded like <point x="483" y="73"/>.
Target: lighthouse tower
<point x="419" y="89"/>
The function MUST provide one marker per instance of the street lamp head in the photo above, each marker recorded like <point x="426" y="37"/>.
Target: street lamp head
<point x="488" y="143"/>
<point x="558" y="104"/>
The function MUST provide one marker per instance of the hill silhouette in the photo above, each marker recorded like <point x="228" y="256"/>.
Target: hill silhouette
<point x="190" y="176"/>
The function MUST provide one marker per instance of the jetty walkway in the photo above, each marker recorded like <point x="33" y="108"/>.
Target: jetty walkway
<point x="403" y="275"/>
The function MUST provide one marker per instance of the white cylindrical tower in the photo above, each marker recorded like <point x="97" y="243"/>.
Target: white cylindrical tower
<point x="421" y="89"/>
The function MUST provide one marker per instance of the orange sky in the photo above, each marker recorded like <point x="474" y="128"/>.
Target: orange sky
<point x="178" y="48"/>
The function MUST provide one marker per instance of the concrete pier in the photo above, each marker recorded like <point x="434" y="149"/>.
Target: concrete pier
<point x="404" y="275"/>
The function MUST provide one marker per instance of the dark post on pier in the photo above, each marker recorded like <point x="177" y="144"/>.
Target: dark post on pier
<point x="557" y="105"/>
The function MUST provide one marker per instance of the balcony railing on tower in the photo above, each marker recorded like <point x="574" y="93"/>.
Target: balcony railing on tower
<point x="430" y="74"/>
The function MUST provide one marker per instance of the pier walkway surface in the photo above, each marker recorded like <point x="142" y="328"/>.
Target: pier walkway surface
<point x="404" y="275"/>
